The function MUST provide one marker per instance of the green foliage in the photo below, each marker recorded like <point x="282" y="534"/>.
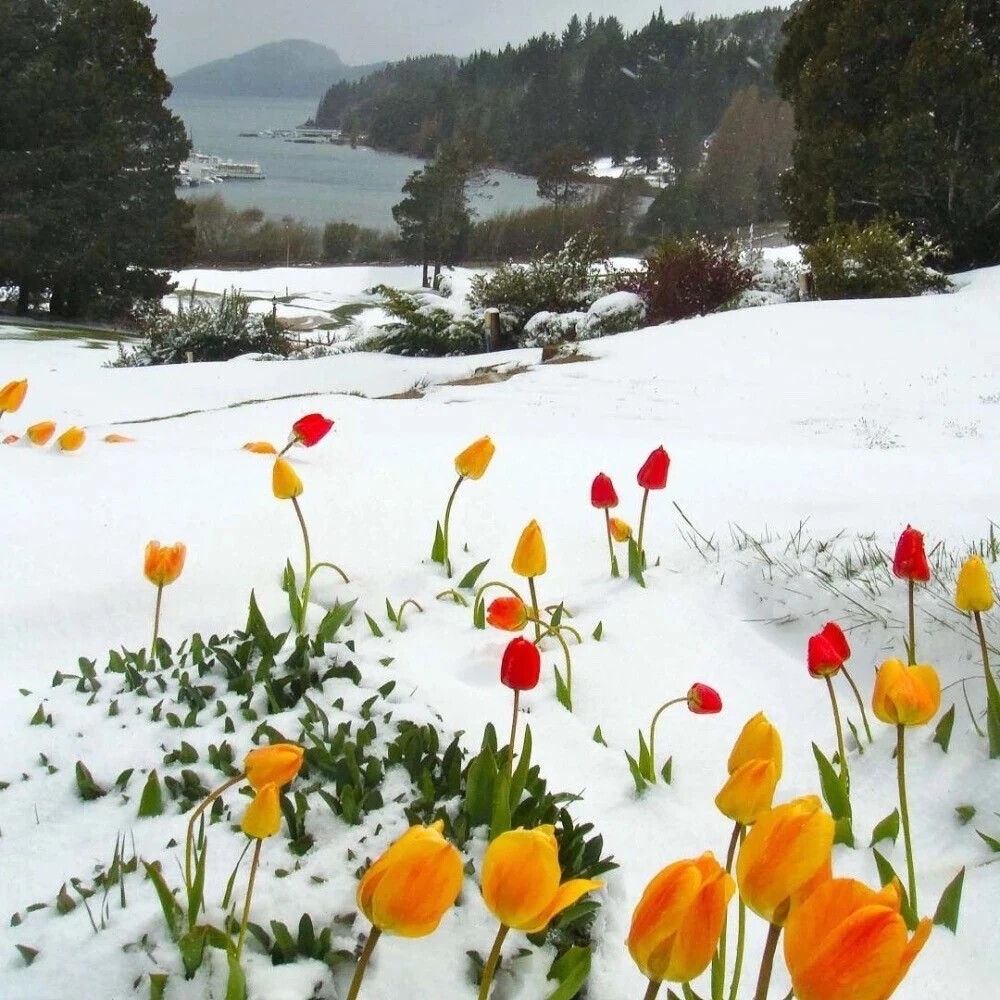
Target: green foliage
<point x="422" y="329"/>
<point x="349" y="243"/>
<point x="849" y="261"/>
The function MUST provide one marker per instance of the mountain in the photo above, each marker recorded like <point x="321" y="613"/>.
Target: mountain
<point x="292" y="68"/>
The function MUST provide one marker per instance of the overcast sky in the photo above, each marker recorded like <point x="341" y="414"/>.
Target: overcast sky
<point x="191" y="32"/>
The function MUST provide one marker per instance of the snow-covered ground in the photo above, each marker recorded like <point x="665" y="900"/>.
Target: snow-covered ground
<point x="805" y="426"/>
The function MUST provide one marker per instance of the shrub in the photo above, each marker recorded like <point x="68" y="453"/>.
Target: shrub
<point x="422" y="329"/>
<point x="348" y="243"/>
<point x="614" y="313"/>
<point x="225" y="235"/>
<point x="876" y="261"/>
<point x="550" y="328"/>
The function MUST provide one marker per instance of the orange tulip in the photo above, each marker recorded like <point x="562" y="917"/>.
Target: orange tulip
<point x="413" y="884"/>
<point x="473" y="461"/>
<point x="529" y="556"/>
<point x="758" y="740"/>
<point x="521" y="879"/>
<point x="785" y="856"/>
<point x="621" y="531"/>
<point x="40" y="433"/>
<point x="749" y="791"/>
<point x="163" y="563"/>
<point x="507" y="613"/>
<point x="12" y="396"/>
<point x="906" y="696"/>
<point x="260" y="448"/>
<point x="285" y="481"/>
<point x="72" y="439"/>
<point x="677" y="924"/>
<point x="276" y="764"/>
<point x="118" y="439"/>
<point x="848" y="942"/>
<point x="263" y="816"/>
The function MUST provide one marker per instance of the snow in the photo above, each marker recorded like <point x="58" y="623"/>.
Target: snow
<point x="803" y="425"/>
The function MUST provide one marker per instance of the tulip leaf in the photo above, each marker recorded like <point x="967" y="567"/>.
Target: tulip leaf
<point x="886" y="829"/>
<point x="332" y="621"/>
<point x="257" y="627"/>
<point x="834" y="792"/>
<point x="689" y="994"/>
<point x="645" y="760"/>
<point x="942" y="731"/>
<point x="158" y="985"/>
<point x="965" y="813"/>
<point x="637" y="775"/>
<point x="236" y="984"/>
<point x="85" y="784"/>
<point x="570" y="970"/>
<point x="373" y="625"/>
<point x="556" y="617"/>
<point x="887" y="874"/>
<point x="28" y="954"/>
<point x="390" y="613"/>
<point x="468" y="582"/>
<point x="290" y="587"/>
<point x="171" y="908"/>
<point x="192" y="949"/>
<point x="196" y="891"/>
<point x="992" y="714"/>
<point x="438" y="553"/>
<point x="598" y="631"/>
<point x="598" y="737"/>
<point x="500" y="821"/>
<point x="480" y="780"/>
<point x="667" y="771"/>
<point x="562" y="692"/>
<point x="991" y="842"/>
<point x="857" y="739"/>
<point x="946" y="914"/>
<point x="479" y="614"/>
<point x="520" y="776"/>
<point x="635" y="563"/>
<point x="151" y="802"/>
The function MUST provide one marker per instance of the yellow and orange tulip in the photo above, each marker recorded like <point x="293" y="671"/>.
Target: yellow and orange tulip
<point x="749" y="791"/>
<point x="786" y="854"/>
<point x="974" y="590"/>
<point x="848" y="942"/>
<point x="263" y="816"/>
<point x="677" y="924"/>
<point x="413" y="884"/>
<point x="758" y="740"/>
<point x="621" y="531"/>
<point x="474" y="460"/>
<point x="12" y="396"/>
<point x="276" y="764"/>
<point x="529" y="556"/>
<point x="906" y="696"/>
<point x="162" y="564"/>
<point x="71" y="439"/>
<point x="285" y="481"/>
<point x="40" y="433"/>
<point x="521" y="879"/>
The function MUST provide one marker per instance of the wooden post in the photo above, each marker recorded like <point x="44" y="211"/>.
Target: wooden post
<point x="491" y="322"/>
<point x="806" y="287"/>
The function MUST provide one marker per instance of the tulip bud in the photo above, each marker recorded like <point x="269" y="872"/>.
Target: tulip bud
<point x="529" y="556"/>
<point x="310" y="429"/>
<point x="653" y="474"/>
<point x="276" y="764"/>
<point x="834" y="635"/>
<point x="473" y="461"/>
<point x="621" y="531"/>
<point x="39" y="434"/>
<point x="749" y="791"/>
<point x="260" y="448"/>
<point x="507" y="613"/>
<point x="521" y="665"/>
<point x="758" y="740"/>
<point x="703" y="700"/>
<point x="821" y="657"/>
<point x="285" y="482"/>
<point x="974" y="591"/>
<point x="263" y="816"/>
<point x="12" y="396"/>
<point x="162" y="564"/>
<point x="72" y="439"/>
<point x="906" y="696"/>
<point x="910" y="560"/>
<point x="602" y="492"/>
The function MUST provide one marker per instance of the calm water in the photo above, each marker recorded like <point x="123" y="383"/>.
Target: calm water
<point x="317" y="183"/>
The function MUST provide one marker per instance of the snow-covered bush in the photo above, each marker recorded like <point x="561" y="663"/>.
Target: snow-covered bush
<point x="614" y="313"/>
<point x="550" y="328"/>
<point x="422" y="329"/>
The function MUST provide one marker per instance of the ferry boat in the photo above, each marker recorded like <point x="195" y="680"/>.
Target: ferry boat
<point x="203" y="168"/>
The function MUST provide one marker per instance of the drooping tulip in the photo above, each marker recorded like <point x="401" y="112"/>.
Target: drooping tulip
<point x="260" y="448"/>
<point x="71" y="439"/>
<point x="262" y="818"/>
<point x="848" y="941"/>
<point x="758" y="740"/>
<point x="653" y="473"/>
<point x="285" y="482"/>
<point x="310" y="429"/>
<point x="906" y="696"/>
<point x="910" y="560"/>
<point x="39" y="434"/>
<point x="276" y="764"/>
<point x="678" y="921"/>
<point x="529" y="554"/>
<point x="12" y="396"/>
<point x="621" y="531"/>
<point x="521" y="665"/>
<point x="507" y="613"/>
<point x="974" y="590"/>
<point x="602" y="492"/>
<point x="162" y="564"/>
<point x="703" y="700"/>
<point x="749" y="791"/>
<point x="473" y="461"/>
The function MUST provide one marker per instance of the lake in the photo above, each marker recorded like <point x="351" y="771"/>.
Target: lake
<point x="315" y="182"/>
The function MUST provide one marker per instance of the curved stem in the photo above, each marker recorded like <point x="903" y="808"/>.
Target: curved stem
<point x="513" y="733"/>
<point x="534" y="607"/>
<point x="492" y="583"/>
<point x="642" y="528"/>
<point x="652" y="731"/>
<point x="767" y="962"/>
<point x="554" y="632"/>
<point x="202" y="806"/>
<point x="611" y="548"/>
<point x="489" y="971"/>
<point x="454" y="595"/>
<point x="845" y="776"/>
<point x="572" y="631"/>
<point x="652" y="989"/>
<point x="359" y="971"/>
<point x="447" y="519"/>
<point x="860" y="701"/>
<point x="329" y="565"/>
<point x="246" y="904"/>
<point x="301" y="623"/>
<point x="156" y="624"/>
<point x="904" y="814"/>
<point x="733" y="841"/>
<point x="913" y="628"/>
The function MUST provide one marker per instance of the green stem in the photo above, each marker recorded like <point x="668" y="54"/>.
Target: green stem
<point x="913" y="628"/>
<point x="642" y="528"/>
<point x="492" y="583"/>
<point x="156" y="623"/>
<point x="992" y="693"/>
<point x="904" y="814"/>
<point x="861" y="704"/>
<point x="554" y="632"/>
<point x="741" y="940"/>
<point x="767" y="962"/>
<point x="652" y="732"/>
<point x="246" y="904"/>
<point x="844" y="774"/>
<point x="202" y="806"/>
<point x="611" y="549"/>
<point x="359" y="971"/>
<point x="447" y="519"/>
<point x="534" y="607"/>
<point x="652" y="989"/>
<point x="513" y="734"/>
<point x="330" y="565"/>
<point x="301" y="623"/>
<point x="489" y="971"/>
<point x="719" y="965"/>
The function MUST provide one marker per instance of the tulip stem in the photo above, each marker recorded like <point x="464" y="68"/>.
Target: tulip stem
<point x="447" y="521"/>
<point x="255" y="861"/>
<point x="652" y="733"/>
<point x="611" y="549"/>
<point x="554" y="632"/>
<point x="904" y="814"/>
<point x="329" y="565"/>
<point x="359" y="971"/>
<point x="912" y="651"/>
<point x="301" y="623"/>
<point x="652" y="989"/>
<point x="719" y="962"/>
<point x="860" y="701"/>
<point x="642" y="528"/>
<point x="844" y="774"/>
<point x="156" y="624"/>
<point x="767" y="962"/>
<point x="534" y="608"/>
<point x="202" y="806"/>
<point x="513" y="732"/>
<point x="741" y="938"/>
<point x="489" y="971"/>
<point x="992" y="693"/>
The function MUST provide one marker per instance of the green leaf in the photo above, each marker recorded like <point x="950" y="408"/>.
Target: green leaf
<point x="28" y="954"/>
<point x="290" y="586"/>
<point x="887" y="874"/>
<point x="843" y="831"/>
<point x="834" y="792"/>
<point x="635" y="563"/>
<point x="500" y="821"/>
<point x="942" y="731"/>
<point x="570" y="970"/>
<point x="479" y="786"/>
<point x="196" y="891"/>
<point x="85" y="784"/>
<point x="645" y="760"/>
<point x="158" y="985"/>
<point x="562" y="692"/>
<point x="992" y="714"/>
<point x="307" y="936"/>
<point x="438" y="553"/>
<point x="946" y="914"/>
<point x="637" y="775"/>
<point x="556" y="617"/>
<point x="520" y="776"/>
<point x="65" y="903"/>
<point x="257" y="627"/>
<point x="40" y="718"/>
<point x="284" y="943"/>
<point x="192" y="948"/>
<point x="857" y="739"/>
<point x="373" y="625"/>
<point x="236" y="983"/>
<point x="390" y="613"/>
<point x="598" y="737"/>
<point x="667" y="771"/>
<point x="172" y="910"/>
<point x="598" y="631"/>
<point x="333" y="619"/>
<point x="468" y="582"/>
<point x="965" y="813"/>
<point x="991" y="842"/>
<point x="151" y="802"/>
<point x="479" y="614"/>
<point x="886" y="829"/>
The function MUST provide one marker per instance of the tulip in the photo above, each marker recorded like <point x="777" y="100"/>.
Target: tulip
<point x="474" y="460"/>
<point x="974" y="595"/>
<point x="824" y="660"/>
<point x="162" y="564"/>
<point x="408" y="890"/>
<point x="521" y="887"/>
<point x="276" y="764"/>
<point x="602" y="492"/>
<point x="260" y="448"/>
<point x="308" y="430"/>
<point x="72" y="439"/>
<point x="11" y="439"/>
<point x="679" y="919"/>
<point x="285" y="482"/>
<point x="848" y="941"/>
<point x="652" y="476"/>
<point x="12" y="396"/>
<point x="118" y="439"/>
<point x="40" y="433"/>
<point x="834" y="635"/>
<point x="910" y="560"/>
<point x="758" y="740"/>
<point x="261" y="820"/>
<point x="621" y="531"/>
<point x="703" y="700"/>
<point x="749" y="791"/>
<point x="521" y="665"/>
<point x="507" y="613"/>
<point x="529" y="561"/>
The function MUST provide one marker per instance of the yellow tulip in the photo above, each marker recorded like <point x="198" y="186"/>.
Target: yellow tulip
<point x="413" y="884"/>
<point x="285" y="481"/>
<point x="263" y="816"/>
<point x="678" y="922"/>
<point x="758" y="740"/>
<point x="118" y="439"/>
<point x="906" y="696"/>
<point x="848" y="942"/>
<point x="12" y="396"/>
<point x="260" y="448"/>
<point x="621" y="531"/>
<point x="521" y="879"/>
<point x="785" y="856"/>
<point x="163" y="563"/>
<point x="472" y="463"/>
<point x="749" y="791"/>
<point x="71" y="439"/>
<point x="974" y="591"/>
<point x="40" y="433"/>
<point x="276" y="764"/>
<point x="529" y="556"/>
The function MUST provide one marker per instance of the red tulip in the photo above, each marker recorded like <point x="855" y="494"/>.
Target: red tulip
<point x="703" y="700"/>
<point x="507" y="613"/>
<point x="822" y="656"/>
<point x="521" y="665"/>
<point x="834" y="635"/>
<point x="311" y="428"/>
<point x="653" y="474"/>
<point x="602" y="492"/>
<point x="910" y="561"/>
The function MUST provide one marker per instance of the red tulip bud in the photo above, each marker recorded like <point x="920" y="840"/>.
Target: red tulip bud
<point x="703" y="700"/>
<point x="521" y="665"/>
<point x="602" y="492"/>
<point x="910" y="561"/>
<point x="311" y="428"/>
<point x="822" y="656"/>
<point x="834" y="635"/>
<point x="653" y="474"/>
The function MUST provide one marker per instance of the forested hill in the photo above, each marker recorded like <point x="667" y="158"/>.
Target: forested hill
<point x="660" y="90"/>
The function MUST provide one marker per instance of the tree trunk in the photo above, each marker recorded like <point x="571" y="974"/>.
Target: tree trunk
<point x="23" y="297"/>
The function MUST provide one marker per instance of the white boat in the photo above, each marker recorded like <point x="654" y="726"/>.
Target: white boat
<point x="203" y="168"/>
